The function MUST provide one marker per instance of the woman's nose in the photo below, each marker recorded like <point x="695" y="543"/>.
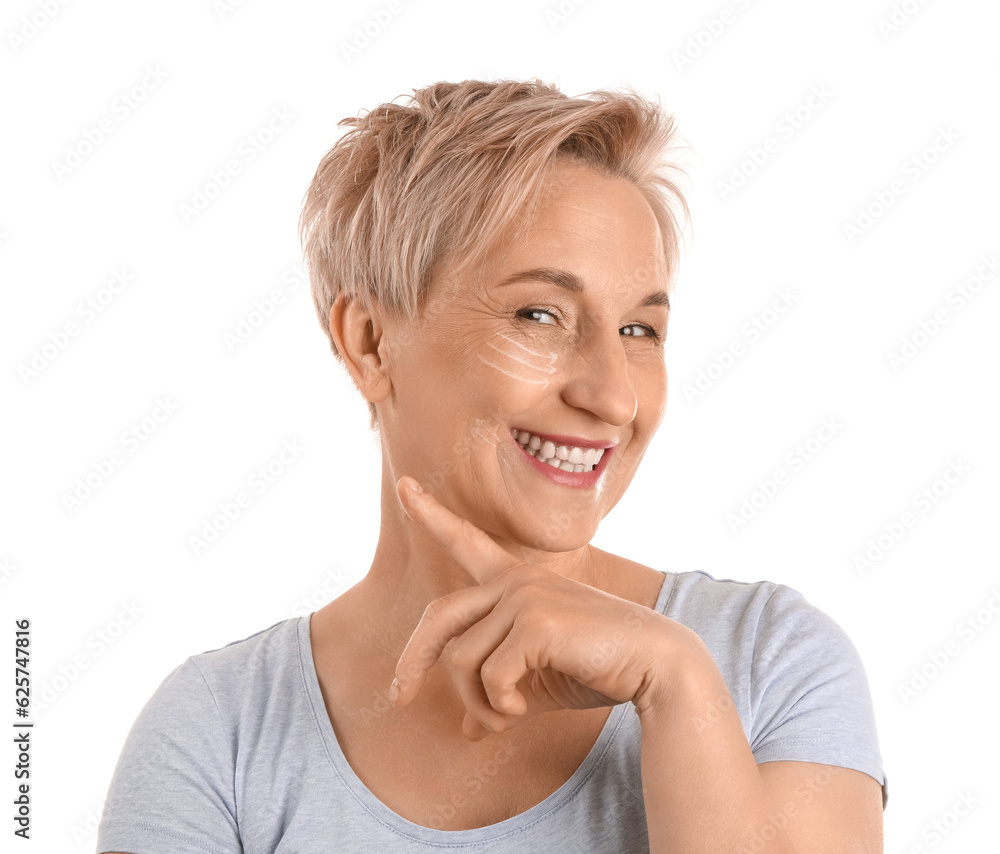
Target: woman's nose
<point x="597" y="377"/>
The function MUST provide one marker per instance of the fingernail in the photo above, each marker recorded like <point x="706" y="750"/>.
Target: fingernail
<point x="394" y="691"/>
<point x="416" y="487"/>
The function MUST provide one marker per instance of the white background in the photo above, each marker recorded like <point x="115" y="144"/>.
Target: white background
<point x="116" y="595"/>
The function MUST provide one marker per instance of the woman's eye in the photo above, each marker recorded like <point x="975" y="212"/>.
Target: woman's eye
<point x="537" y="311"/>
<point x="647" y="331"/>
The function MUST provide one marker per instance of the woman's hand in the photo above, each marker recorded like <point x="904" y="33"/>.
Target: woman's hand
<point x="526" y="640"/>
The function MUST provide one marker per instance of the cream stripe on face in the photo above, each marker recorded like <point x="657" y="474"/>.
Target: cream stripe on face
<point x="566" y="457"/>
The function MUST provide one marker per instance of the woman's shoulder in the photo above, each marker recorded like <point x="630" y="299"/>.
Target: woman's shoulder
<point x="231" y="676"/>
<point x="756" y="617"/>
<point x="697" y="591"/>
<point x="216" y="713"/>
<point x="699" y="599"/>
<point x="263" y="648"/>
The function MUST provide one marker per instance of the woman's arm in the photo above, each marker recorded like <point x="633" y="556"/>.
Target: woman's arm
<point x="704" y="791"/>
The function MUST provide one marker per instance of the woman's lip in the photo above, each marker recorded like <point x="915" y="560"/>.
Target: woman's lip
<point x="569" y="441"/>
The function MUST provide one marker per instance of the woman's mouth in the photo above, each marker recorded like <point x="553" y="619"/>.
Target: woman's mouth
<point x="569" y="458"/>
<point x="571" y="465"/>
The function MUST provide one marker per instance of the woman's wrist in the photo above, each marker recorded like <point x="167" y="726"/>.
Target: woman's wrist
<point x="681" y="679"/>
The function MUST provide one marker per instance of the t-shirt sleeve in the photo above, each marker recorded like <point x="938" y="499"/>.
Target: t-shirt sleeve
<point x="172" y="791"/>
<point x="812" y="702"/>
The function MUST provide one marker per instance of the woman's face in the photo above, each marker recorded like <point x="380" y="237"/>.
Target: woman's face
<point x="552" y="336"/>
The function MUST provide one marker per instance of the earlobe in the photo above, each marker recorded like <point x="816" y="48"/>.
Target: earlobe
<point x="358" y="335"/>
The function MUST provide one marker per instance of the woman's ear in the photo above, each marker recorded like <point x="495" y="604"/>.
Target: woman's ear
<point x="358" y="335"/>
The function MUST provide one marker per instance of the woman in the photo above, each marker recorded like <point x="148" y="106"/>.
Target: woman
<point x="491" y="264"/>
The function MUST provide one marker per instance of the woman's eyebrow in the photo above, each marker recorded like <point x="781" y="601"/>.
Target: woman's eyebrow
<point x="567" y="280"/>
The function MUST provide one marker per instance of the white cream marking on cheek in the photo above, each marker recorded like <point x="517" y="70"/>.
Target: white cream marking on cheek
<point x="533" y="367"/>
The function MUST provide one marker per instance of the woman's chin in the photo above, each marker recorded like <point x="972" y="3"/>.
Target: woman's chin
<point x="554" y="538"/>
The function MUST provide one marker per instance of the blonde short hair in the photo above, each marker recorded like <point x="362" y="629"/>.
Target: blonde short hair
<point x="448" y="172"/>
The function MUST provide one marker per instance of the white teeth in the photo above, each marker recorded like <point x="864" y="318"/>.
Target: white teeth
<point x="563" y="457"/>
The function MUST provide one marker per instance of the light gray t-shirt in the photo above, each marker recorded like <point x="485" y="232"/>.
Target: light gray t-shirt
<point x="235" y="751"/>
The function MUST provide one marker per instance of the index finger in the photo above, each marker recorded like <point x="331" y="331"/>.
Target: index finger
<point x="472" y="547"/>
<point x="442" y="620"/>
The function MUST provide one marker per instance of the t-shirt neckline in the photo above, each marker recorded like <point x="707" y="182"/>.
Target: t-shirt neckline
<point x="390" y="819"/>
